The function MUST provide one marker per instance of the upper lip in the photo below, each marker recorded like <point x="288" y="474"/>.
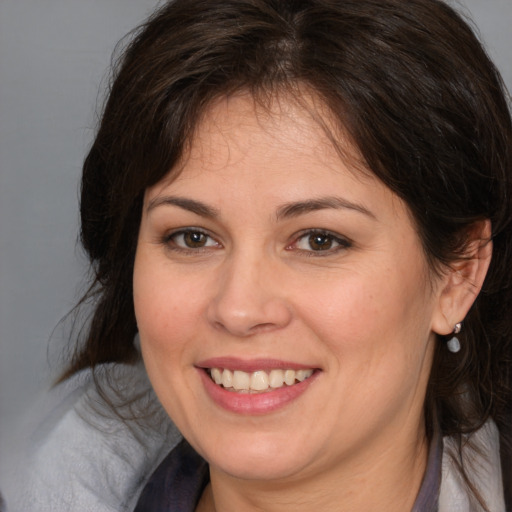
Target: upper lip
<point x="251" y="365"/>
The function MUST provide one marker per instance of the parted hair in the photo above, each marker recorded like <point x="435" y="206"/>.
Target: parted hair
<point x="410" y="84"/>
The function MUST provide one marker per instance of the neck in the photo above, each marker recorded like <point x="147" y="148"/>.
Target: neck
<point x="387" y="482"/>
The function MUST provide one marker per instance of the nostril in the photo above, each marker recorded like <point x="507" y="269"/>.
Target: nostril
<point x="244" y="311"/>
<point x="260" y="328"/>
<point x="242" y="330"/>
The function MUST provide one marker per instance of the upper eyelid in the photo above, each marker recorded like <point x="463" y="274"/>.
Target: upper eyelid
<point x="168" y="236"/>
<point x="336" y="236"/>
<point x="341" y="239"/>
<point x="192" y="229"/>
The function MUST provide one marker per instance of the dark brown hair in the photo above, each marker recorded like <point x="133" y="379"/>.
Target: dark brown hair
<point x="406" y="79"/>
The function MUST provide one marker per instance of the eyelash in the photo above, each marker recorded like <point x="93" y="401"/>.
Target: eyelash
<point x="342" y="243"/>
<point x="169" y="240"/>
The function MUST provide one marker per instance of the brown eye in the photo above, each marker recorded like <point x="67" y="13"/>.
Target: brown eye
<point x="320" y="241"/>
<point x="191" y="239"/>
<point x="194" y="239"/>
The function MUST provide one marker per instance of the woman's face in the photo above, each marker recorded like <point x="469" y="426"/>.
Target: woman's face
<point x="298" y="283"/>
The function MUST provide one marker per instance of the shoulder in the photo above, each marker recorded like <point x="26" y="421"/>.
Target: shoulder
<point x="481" y="459"/>
<point x="100" y="439"/>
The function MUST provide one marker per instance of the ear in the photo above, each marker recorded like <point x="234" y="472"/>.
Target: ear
<point x="462" y="281"/>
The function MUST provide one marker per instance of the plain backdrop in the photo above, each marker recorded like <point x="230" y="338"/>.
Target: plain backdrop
<point x="54" y="59"/>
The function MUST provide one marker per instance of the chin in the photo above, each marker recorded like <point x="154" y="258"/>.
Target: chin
<point x="256" y="457"/>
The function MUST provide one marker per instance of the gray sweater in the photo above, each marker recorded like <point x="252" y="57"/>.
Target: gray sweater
<point x="86" y="456"/>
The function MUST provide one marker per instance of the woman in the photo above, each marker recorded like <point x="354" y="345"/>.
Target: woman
<point x="303" y="209"/>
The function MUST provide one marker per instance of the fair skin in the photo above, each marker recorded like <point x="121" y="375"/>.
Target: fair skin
<point x="269" y="252"/>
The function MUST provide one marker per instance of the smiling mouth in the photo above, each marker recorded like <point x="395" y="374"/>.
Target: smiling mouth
<point x="259" y="381"/>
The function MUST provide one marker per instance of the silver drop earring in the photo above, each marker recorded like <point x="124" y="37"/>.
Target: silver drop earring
<point x="453" y="343"/>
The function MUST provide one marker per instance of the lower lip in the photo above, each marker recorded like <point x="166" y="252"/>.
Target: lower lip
<point x="255" y="403"/>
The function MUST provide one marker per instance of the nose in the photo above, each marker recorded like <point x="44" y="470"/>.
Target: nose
<point x="248" y="298"/>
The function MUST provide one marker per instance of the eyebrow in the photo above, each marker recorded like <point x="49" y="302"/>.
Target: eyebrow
<point x="288" y="210"/>
<point x="190" y="205"/>
<point x="295" y="209"/>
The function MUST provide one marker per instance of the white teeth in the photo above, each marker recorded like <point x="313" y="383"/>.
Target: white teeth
<point x="276" y="378"/>
<point x="289" y="377"/>
<point x="227" y="379"/>
<point x="217" y="376"/>
<point x="258" y="381"/>
<point x="301" y="375"/>
<point x="241" y="380"/>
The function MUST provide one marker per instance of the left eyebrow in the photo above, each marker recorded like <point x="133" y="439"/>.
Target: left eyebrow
<point x="190" y="205"/>
<point x="295" y="209"/>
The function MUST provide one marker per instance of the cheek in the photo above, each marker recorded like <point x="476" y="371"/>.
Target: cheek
<point x="167" y="323"/>
<point x="377" y="334"/>
<point x="164" y="318"/>
<point x="373" y="319"/>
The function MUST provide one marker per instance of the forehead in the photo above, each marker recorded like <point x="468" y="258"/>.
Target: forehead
<point x="248" y="155"/>
<point x="283" y="129"/>
<point x="247" y="162"/>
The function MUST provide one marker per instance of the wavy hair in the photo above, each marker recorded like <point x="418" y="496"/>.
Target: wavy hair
<point x="410" y="84"/>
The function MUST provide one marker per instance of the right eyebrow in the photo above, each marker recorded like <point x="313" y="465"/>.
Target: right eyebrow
<point x="190" y="205"/>
<point x="302" y="207"/>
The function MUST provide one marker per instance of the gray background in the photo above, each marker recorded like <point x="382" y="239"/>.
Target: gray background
<point x="54" y="58"/>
